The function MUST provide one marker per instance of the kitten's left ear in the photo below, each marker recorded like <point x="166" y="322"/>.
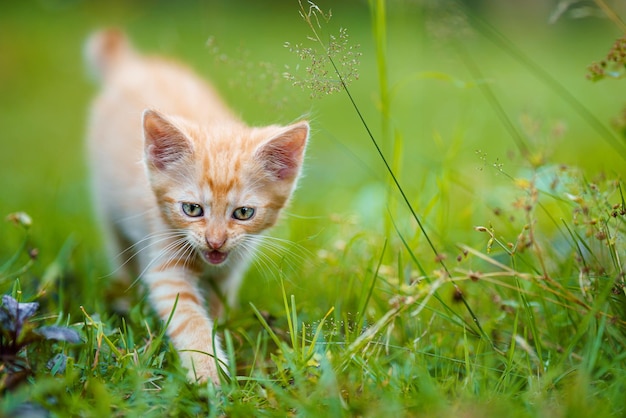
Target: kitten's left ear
<point x="282" y="154"/>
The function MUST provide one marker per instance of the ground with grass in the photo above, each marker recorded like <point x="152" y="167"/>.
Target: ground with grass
<point x="456" y="246"/>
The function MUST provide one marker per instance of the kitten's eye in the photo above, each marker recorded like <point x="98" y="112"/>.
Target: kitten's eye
<point x="192" y="210"/>
<point x="243" y="213"/>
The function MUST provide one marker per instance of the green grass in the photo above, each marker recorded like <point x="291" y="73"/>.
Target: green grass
<point x="478" y="272"/>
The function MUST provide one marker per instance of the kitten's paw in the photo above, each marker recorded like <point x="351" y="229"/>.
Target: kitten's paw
<point x="203" y="368"/>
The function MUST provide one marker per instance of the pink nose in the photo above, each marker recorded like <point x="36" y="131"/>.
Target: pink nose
<point x="216" y="244"/>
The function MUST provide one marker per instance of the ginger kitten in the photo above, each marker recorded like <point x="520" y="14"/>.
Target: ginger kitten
<point x="185" y="184"/>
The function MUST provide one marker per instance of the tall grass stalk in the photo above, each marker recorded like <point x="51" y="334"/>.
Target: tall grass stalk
<point x="308" y="16"/>
<point x="610" y="13"/>
<point x="378" y="10"/>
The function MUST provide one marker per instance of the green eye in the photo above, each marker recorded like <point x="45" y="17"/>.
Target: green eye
<point x="243" y="213"/>
<point x="192" y="210"/>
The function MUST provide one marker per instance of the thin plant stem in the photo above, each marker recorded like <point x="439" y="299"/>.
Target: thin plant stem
<point x="392" y="174"/>
<point x="610" y="13"/>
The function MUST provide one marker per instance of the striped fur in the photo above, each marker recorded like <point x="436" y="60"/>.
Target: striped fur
<point x="175" y="174"/>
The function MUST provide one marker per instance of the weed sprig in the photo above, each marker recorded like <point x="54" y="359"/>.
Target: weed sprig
<point x="613" y="65"/>
<point x="322" y="76"/>
<point x="310" y="17"/>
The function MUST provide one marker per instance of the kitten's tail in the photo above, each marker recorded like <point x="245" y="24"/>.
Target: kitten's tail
<point x="104" y="50"/>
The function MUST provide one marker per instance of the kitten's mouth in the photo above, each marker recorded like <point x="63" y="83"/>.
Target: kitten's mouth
<point x="214" y="257"/>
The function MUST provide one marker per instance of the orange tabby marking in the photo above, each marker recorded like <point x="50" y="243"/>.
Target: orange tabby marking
<point x="187" y="184"/>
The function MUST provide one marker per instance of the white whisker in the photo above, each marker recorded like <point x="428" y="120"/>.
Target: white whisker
<point x="293" y="215"/>
<point x="138" y="247"/>
<point x="178" y="245"/>
<point x="136" y="215"/>
<point x="281" y="245"/>
<point x="271" y="249"/>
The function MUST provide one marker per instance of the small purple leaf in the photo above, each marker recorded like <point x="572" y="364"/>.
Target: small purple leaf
<point x="5" y="321"/>
<point x="59" y="334"/>
<point x="57" y="364"/>
<point x="17" y="312"/>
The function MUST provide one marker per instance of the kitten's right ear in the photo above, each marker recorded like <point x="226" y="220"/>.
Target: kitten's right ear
<point x="164" y="143"/>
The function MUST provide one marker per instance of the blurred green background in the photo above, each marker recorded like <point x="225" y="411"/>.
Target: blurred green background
<point x="451" y="135"/>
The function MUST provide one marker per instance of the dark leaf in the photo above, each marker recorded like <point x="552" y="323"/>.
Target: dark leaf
<point x="29" y="410"/>
<point x="57" y="364"/>
<point x="59" y="334"/>
<point x="5" y="321"/>
<point x="18" y="312"/>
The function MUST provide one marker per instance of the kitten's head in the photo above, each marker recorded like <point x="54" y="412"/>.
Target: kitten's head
<point x="221" y="184"/>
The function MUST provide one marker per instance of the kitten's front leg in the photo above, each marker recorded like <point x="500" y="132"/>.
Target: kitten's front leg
<point x="191" y="329"/>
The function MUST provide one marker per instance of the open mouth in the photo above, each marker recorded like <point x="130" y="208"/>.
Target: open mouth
<point x="214" y="257"/>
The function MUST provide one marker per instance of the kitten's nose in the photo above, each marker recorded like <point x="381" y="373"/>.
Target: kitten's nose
<point x="216" y="243"/>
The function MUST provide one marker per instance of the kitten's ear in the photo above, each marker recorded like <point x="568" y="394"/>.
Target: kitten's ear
<point x="282" y="154"/>
<point x="164" y="143"/>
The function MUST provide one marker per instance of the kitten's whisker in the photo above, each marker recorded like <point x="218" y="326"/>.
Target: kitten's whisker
<point x="283" y="248"/>
<point x="173" y="252"/>
<point x="119" y="221"/>
<point x="176" y="244"/>
<point x="265" y="264"/>
<point x="270" y="260"/>
<point x="296" y="216"/>
<point x="267" y="252"/>
<point x="284" y="242"/>
<point x="190" y="254"/>
<point x="134" y="251"/>
<point x="162" y="236"/>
